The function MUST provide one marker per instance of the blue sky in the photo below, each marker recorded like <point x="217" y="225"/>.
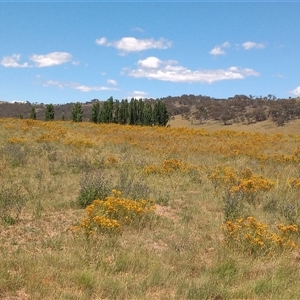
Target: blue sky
<point x="60" y="52"/>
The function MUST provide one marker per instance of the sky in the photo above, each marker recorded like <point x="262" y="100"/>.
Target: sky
<point x="61" y="52"/>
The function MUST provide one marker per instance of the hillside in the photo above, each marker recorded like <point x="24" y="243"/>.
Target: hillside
<point x="263" y="114"/>
<point x="267" y="126"/>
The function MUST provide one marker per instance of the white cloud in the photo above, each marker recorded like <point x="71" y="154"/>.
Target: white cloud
<point x="296" y="91"/>
<point x="150" y="62"/>
<point x="137" y="95"/>
<point x="172" y="71"/>
<point x="51" y="59"/>
<point x="101" y="41"/>
<point x="250" y="45"/>
<point x="13" y="62"/>
<point x="77" y="86"/>
<point x="111" y="82"/>
<point x="131" y="44"/>
<point x="218" y="50"/>
<point x="226" y="45"/>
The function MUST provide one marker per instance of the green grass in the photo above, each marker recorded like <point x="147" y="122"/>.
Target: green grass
<point x="177" y="254"/>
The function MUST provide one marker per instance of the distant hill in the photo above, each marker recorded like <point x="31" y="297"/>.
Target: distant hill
<point x="193" y="110"/>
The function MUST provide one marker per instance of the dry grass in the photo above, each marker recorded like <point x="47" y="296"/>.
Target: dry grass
<point x="179" y="252"/>
<point x="267" y="126"/>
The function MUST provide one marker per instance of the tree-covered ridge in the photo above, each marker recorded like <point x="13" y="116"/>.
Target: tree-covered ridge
<point x="197" y="109"/>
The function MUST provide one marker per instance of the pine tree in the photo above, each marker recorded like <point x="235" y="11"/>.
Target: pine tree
<point x="160" y="114"/>
<point x="110" y="109"/>
<point x="124" y="112"/>
<point x="117" y="112"/>
<point x="106" y="113"/>
<point x="95" y="112"/>
<point x="156" y="117"/>
<point x="133" y="111"/>
<point x="148" y="114"/>
<point x="164" y="114"/>
<point x="49" y="112"/>
<point x="140" y="112"/>
<point x="77" y="112"/>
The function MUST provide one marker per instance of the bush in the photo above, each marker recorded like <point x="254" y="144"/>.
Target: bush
<point x="112" y="213"/>
<point x="93" y="185"/>
<point x="132" y="185"/>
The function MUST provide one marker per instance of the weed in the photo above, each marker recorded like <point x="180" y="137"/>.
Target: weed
<point x="112" y="213"/>
<point x="255" y="238"/>
<point x="15" y="154"/>
<point x="93" y="185"/>
<point x="12" y="201"/>
<point x="132" y="185"/>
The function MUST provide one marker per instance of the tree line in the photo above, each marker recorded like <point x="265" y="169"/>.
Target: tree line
<point x="133" y="112"/>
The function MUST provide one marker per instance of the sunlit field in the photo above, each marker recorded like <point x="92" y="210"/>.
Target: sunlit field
<point x="107" y="211"/>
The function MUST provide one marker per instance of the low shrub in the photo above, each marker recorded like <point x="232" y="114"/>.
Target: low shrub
<point x="93" y="185"/>
<point x="113" y="213"/>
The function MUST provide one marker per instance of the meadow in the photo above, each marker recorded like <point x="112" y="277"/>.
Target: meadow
<point x="107" y="211"/>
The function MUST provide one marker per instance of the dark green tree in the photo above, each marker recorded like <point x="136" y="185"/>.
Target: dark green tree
<point x="49" y="112"/>
<point x="160" y="114"/>
<point x="117" y="112"/>
<point x="133" y="111"/>
<point x="140" y="112"/>
<point x="77" y="112"/>
<point x="33" y="113"/>
<point x="95" y="112"/>
<point x="106" y="113"/>
<point x="124" y="112"/>
<point x="148" y="114"/>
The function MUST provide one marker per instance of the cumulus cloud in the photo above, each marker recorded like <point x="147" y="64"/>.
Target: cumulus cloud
<point x="111" y="82"/>
<point x="296" y="91"/>
<point x="173" y="72"/>
<point x="44" y="60"/>
<point x="77" y="86"/>
<point x="102" y="41"/>
<point x="137" y="95"/>
<point x="150" y="62"/>
<point x="251" y="45"/>
<point x="219" y="50"/>
<point x="131" y="44"/>
<point x="51" y="59"/>
<point x="13" y="62"/>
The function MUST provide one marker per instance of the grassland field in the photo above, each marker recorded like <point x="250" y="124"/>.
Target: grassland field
<point x="186" y="212"/>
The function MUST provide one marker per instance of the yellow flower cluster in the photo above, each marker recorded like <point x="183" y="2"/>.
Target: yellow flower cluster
<point x="164" y="141"/>
<point x="255" y="238"/>
<point x="223" y="176"/>
<point x="294" y="183"/>
<point x="243" y="183"/>
<point x="17" y="140"/>
<point x="169" y="166"/>
<point x="109" y="215"/>
<point x="47" y="137"/>
<point x="80" y="142"/>
<point x="111" y="160"/>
